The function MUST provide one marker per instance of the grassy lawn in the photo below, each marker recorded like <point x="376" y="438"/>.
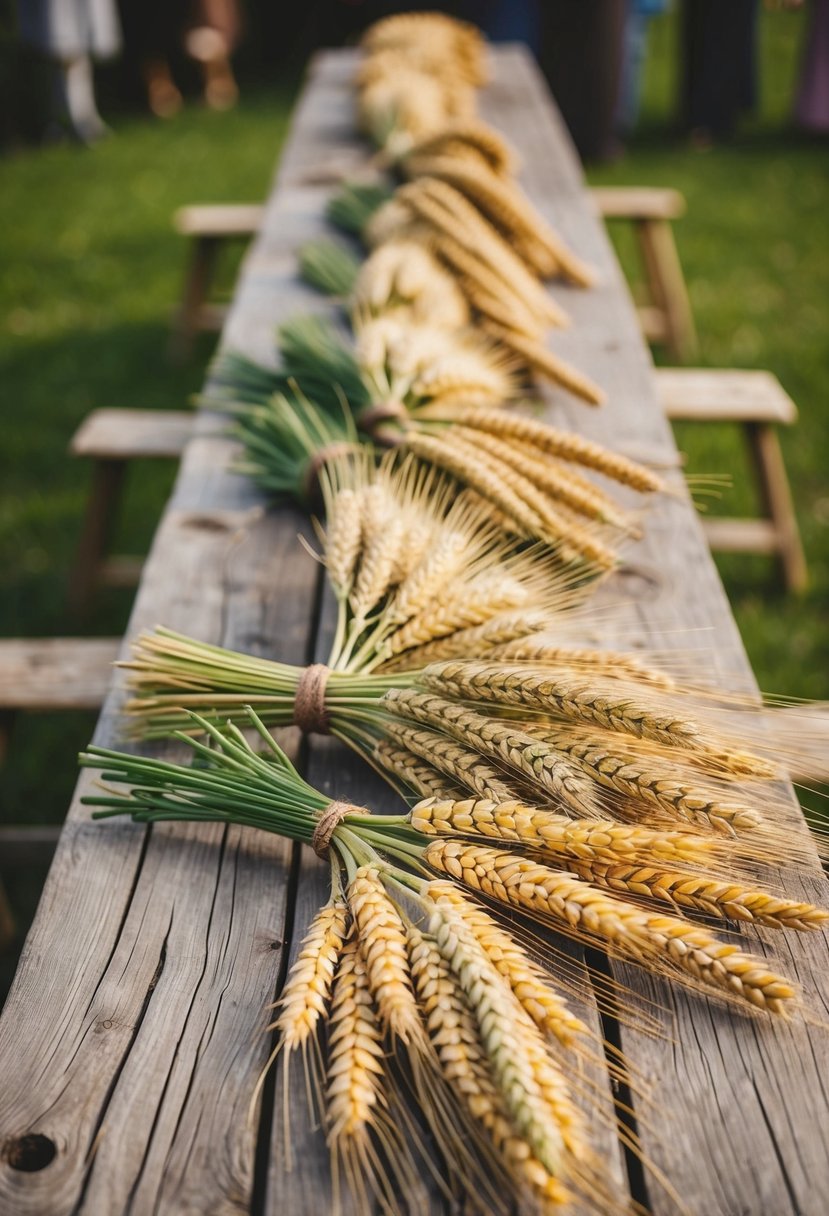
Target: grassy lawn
<point x="92" y="270"/>
<point x="755" y="255"/>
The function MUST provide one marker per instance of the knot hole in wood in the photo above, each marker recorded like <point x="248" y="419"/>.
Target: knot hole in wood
<point x="30" y="1153"/>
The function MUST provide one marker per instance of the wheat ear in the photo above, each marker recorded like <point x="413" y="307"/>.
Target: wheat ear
<point x="544" y="648"/>
<point x="699" y="893"/>
<point x="495" y="1011"/>
<point x="531" y="986"/>
<point x="654" y="781"/>
<point x="355" y="1104"/>
<point x="507" y="208"/>
<point x="545" y="363"/>
<point x="567" y="445"/>
<point x="462" y="766"/>
<point x="486" y="292"/>
<point x="602" y="842"/>
<point x="548" y="479"/>
<point x="414" y="772"/>
<point x="381" y="934"/>
<point x="536" y="761"/>
<point x="577" y="698"/>
<point x="456" y="218"/>
<point x="457" y="1041"/>
<point x="478" y="135"/>
<point x="343" y="538"/>
<point x="308" y="984"/>
<point x="483" y="639"/>
<point x="646" y="937"/>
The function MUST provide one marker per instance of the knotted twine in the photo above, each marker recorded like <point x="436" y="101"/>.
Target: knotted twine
<point x="310" y="711"/>
<point x="316" y="463"/>
<point x="327" y="825"/>
<point x="311" y="716"/>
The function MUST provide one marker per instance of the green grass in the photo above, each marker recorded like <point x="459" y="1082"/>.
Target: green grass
<point x="92" y="270"/>
<point x="754" y="251"/>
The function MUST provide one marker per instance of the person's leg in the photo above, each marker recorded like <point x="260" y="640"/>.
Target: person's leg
<point x="76" y="98"/>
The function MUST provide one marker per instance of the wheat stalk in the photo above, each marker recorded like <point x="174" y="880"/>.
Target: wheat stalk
<point x="531" y="986"/>
<point x="580" y="699"/>
<point x="644" y="936"/>
<point x="425" y="780"/>
<point x="463" y="767"/>
<point x="566" y="445"/>
<point x="700" y="893"/>
<point x="602" y="842"/>
<point x="531" y="759"/>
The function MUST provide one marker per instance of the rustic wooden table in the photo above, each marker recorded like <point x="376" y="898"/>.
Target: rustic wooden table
<point x="133" y="1036"/>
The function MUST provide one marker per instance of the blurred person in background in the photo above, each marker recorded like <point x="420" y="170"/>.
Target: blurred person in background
<point x="639" y="15"/>
<point x="719" y="66"/>
<point x="581" y="55"/>
<point x="812" y="104"/>
<point x="71" y="33"/>
<point x="506" y="20"/>
<point x="207" y="31"/>
<point x="579" y="46"/>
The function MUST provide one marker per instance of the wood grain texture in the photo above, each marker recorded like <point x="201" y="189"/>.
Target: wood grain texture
<point x="741" y="1104"/>
<point x="119" y="434"/>
<point x="133" y="1035"/>
<point x="55" y="673"/>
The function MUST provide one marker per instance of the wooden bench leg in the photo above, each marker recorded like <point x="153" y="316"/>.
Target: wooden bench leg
<point x="8" y="928"/>
<point x="99" y="520"/>
<point x="196" y="288"/>
<point x="666" y="286"/>
<point x="7" y="925"/>
<point x="776" y="495"/>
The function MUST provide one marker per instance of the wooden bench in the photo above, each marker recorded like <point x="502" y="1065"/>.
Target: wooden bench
<point x="665" y="313"/>
<point x="44" y="674"/>
<point x="111" y="438"/>
<point x="207" y="227"/>
<point x="757" y="401"/>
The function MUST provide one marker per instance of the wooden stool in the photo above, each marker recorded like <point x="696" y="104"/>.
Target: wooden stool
<point x="665" y="316"/>
<point x="111" y="438"/>
<point x="208" y="227"/>
<point x="757" y="401"/>
<point x="44" y="674"/>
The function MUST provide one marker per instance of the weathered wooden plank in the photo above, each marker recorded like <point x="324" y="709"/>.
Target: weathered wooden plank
<point x="138" y="1008"/>
<point x="55" y="673"/>
<point x="119" y="434"/>
<point x="742" y="1105"/>
<point x="723" y="395"/>
<point x="132" y="1038"/>
<point x="329" y="766"/>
